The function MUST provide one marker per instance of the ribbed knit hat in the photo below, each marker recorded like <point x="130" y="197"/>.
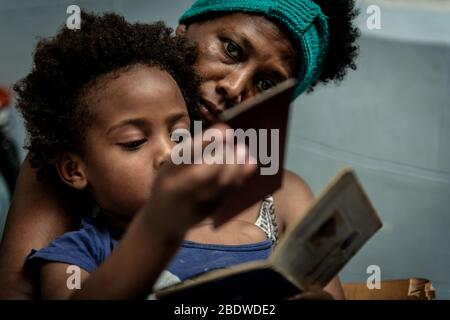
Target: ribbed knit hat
<point x="303" y="18"/>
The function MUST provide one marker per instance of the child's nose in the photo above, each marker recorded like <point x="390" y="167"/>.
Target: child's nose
<point x="162" y="153"/>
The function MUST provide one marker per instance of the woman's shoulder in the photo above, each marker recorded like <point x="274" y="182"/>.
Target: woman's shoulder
<point x="292" y="199"/>
<point x="293" y="182"/>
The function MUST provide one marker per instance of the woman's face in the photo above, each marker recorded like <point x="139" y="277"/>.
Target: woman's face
<point x="239" y="55"/>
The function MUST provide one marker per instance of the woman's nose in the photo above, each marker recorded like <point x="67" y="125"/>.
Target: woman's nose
<point x="233" y="88"/>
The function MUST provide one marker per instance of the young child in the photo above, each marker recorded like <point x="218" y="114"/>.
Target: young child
<point x="100" y="106"/>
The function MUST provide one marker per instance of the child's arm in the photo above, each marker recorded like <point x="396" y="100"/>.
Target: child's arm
<point x="128" y="273"/>
<point x="291" y="202"/>
<point x="181" y="196"/>
<point x="37" y="216"/>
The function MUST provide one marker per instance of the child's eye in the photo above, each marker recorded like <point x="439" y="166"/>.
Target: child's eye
<point x="133" y="145"/>
<point x="179" y="135"/>
<point x="233" y="49"/>
<point x="265" y="85"/>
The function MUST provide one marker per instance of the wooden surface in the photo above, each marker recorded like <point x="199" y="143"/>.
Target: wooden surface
<point x="403" y="289"/>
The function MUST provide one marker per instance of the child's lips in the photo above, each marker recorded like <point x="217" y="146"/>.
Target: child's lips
<point x="206" y="114"/>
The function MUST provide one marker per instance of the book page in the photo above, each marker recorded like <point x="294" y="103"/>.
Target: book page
<point x="336" y="226"/>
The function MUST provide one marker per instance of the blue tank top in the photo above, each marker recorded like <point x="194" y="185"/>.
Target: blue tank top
<point x="194" y="258"/>
<point x="89" y="247"/>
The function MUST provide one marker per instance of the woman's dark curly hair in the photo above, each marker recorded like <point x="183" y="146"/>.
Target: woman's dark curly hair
<point x="342" y="49"/>
<point x="66" y="66"/>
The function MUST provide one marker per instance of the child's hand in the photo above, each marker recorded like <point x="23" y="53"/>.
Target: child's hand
<point x="183" y="195"/>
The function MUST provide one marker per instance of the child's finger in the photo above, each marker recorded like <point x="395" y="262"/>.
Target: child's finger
<point x="196" y="145"/>
<point x="234" y="174"/>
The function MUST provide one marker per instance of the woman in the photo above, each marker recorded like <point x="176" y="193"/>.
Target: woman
<point x="243" y="48"/>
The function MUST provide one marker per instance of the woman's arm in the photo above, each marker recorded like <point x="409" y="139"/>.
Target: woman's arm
<point x="37" y="215"/>
<point x="291" y="202"/>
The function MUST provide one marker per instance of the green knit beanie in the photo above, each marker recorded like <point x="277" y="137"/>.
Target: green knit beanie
<point x="304" y="18"/>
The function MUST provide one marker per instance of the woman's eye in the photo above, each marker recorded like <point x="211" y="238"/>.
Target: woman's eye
<point x="233" y="50"/>
<point x="133" y="145"/>
<point x="265" y="85"/>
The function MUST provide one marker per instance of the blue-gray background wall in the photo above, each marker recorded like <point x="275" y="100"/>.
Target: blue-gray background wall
<point x="390" y="120"/>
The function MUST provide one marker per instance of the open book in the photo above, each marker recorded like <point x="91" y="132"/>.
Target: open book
<point x="311" y="253"/>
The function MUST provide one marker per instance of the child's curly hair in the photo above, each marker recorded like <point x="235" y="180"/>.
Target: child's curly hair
<point x="50" y="98"/>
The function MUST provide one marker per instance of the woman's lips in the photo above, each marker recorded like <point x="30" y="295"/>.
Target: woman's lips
<point x="206" y="114"/>
<point x="209" y="110"/>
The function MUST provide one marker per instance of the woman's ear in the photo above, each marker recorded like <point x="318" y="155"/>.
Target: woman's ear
<point x="181" y="30"/>
<point x="70" y="169"/>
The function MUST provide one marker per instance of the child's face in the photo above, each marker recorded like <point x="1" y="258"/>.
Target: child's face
<point x="130" y="136"/>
